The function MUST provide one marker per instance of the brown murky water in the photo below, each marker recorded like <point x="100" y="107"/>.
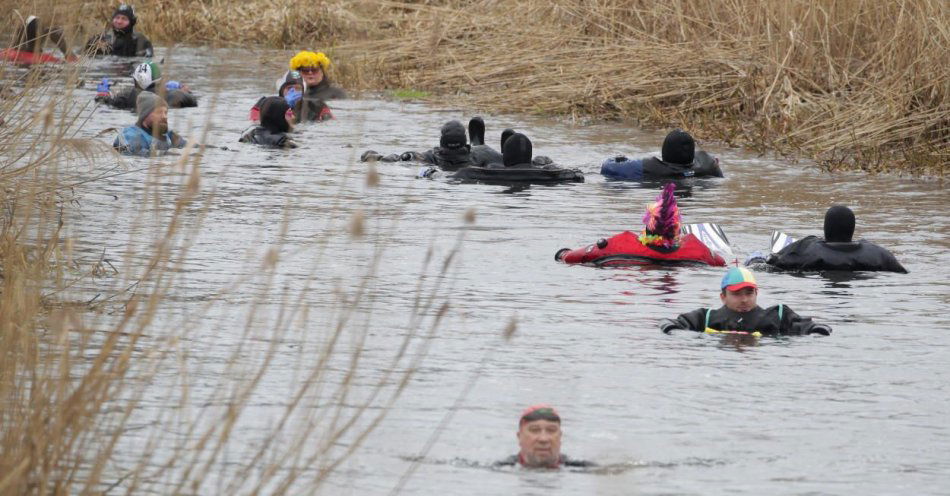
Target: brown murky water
<point x="863" y="411"/>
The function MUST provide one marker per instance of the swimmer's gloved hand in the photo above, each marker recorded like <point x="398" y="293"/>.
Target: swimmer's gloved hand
<point x="820" y="329"/>
<point x="427" y="172"/>
<point x="541" y="160"/>
<point x="293" y="96"/>
<point x="621" y="158"/>
<point x="668" y="325"/>
<point x="369" y="155"/>
<point x="173" y="85"/>
<point x="102" y="89"/>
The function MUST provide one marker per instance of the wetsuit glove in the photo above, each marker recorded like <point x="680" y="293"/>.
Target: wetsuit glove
<point x="427" y="172"/>
<point x="102" y="89"/>
<point x="667" y="325"/>
<point x="620" y="158"/>
<point x="172" y="85"/>
<point x="369" y="155"/>
<point x="292" y="96"/>
<point x="822" y="329"/>
<point x="755" y="257"/>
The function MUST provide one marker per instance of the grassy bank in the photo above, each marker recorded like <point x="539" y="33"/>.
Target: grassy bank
<point x="853" y="84"/>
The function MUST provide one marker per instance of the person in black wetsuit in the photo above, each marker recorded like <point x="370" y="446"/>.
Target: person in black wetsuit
<point x="740" y="313"/>
<point x="518" y="167"/>
<point x="452" y="154"/>
<point x="146" y="77"/>
<point x="120" y="37"/>
<point x="680" y="160"/>
<point x="274" y="125"/>
<point x="32" y="35"/>
<point x="539" y="437"/>
<point x="837" y="251"/>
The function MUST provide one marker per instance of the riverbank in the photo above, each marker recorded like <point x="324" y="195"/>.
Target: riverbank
<point x="852" y="85"/>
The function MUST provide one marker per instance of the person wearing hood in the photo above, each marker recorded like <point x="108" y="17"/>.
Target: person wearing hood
<point x="313" y="67"/>
<point x="518" y="167"/>
<point x="486" y="156"/>
<point x="290" y="88"/>
<point x="679" y="160"/>
<point x="147" y="77"/>
<point x="837" y="251"/>
<point x="740" y="313"/>
<point x="150" y="134"/>
<point x="120" y="38"/>
<point x="452" y="154"/>
<point x="275" y="124"/>
<point x="30" y="37"/>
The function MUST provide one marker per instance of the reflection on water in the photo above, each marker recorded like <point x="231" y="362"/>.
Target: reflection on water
<point x="854" y="413"/>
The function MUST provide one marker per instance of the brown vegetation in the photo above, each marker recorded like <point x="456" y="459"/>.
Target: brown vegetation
<point x="857" y="84"/>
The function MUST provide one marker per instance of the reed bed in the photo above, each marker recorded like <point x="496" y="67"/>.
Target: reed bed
<point x="852" y="84"/>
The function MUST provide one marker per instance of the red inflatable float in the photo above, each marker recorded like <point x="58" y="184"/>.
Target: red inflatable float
<point x="626" y="249"/>
<point x="663" y="241"/>
<point x="21" y="57"/>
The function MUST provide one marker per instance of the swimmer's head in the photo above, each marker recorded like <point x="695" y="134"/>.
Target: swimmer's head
<point x="539" y="437"/>
<point x="517" y="150"/>
<point x="679" y="147"/>
<point x="452" y="135"/>
<point x="839" y="224"/>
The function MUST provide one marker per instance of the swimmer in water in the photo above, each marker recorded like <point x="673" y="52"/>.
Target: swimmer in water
<point x="679" y="160"/>
<point x="741" y="314"/>
<point x="539" y="436"/>
<point x="836" y="251"/>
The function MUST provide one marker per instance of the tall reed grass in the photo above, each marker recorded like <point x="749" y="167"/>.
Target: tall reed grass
<point x="856" y="84"/>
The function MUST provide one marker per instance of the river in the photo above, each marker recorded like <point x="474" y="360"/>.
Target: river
<point x="863" y="411"/>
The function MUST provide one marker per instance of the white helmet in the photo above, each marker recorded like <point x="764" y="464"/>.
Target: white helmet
<point x="146" y="74"/>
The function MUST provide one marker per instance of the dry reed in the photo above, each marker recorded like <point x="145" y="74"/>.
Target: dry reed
<point x="856" y="84"/>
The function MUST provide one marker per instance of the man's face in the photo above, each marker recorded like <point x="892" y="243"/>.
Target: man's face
<point x="120" y="22"/>
<point x="157" y="121"/>
<point x="540" y="442"/>
<point x="311" y="75"/>
<point x="741" y="301"/>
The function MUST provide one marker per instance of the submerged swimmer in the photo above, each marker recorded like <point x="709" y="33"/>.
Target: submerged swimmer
<point x="120" y="37"/>
<point x="150" y="134"/>
<point x="146" y="77"/>
<point x="517" y="167"/>
<point x="274" y="126"/>
<point x="539" y="437"/>
<point x="679" y="160"/>
<point x="740" y="313"/>
<point x="836" y="251"/>
<point x="452" y="154"/>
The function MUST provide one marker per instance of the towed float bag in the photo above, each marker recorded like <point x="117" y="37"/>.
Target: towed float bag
<point x="518" y="174"/>
<point x="28" y="58"/>
<point x="626" y="249"/>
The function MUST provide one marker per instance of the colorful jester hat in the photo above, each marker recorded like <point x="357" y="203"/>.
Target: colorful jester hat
<point x="662" y="221"/>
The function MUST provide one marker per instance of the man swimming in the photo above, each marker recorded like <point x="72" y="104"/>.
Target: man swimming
<point x="539" y="437"/>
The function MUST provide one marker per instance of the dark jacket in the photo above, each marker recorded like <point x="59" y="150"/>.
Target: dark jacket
<point x="324" y="91"/>
<point x="126" y="99"/>
<point x="778" y="319"/>
<point x="122" y="43"/>
<point x="704" y="165"/>
<point x="260" y="135"/>
<point x="814" y="253"/>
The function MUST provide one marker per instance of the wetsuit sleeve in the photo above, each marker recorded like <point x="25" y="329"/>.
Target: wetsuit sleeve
<point x="890" y="263"/>
<point x="690" y="321"/>
<point x="181" y="99"/>
<point x="796" y="325"/>
<point x="143" y="47"/>
<point x="124" y="100"/>
<point x="624" y="169"/>
<point x="176" y="140"/>
<point x="708" y="165"/>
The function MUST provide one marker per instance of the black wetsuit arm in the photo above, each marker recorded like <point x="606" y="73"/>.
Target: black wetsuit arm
<point x="143" y="47"/>
<point x="796" y="325"/>
<point x="181" y="99"/>
<point x="124" y="100"/>
<point x="691" y="321"/>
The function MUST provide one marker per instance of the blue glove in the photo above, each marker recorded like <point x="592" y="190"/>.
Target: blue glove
<point x="103" y="86"/>
<point x="293" y="96"/>
<point x="172" y="85"/>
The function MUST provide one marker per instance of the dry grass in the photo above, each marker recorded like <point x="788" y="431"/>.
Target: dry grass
<point x="856" y="84"/>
